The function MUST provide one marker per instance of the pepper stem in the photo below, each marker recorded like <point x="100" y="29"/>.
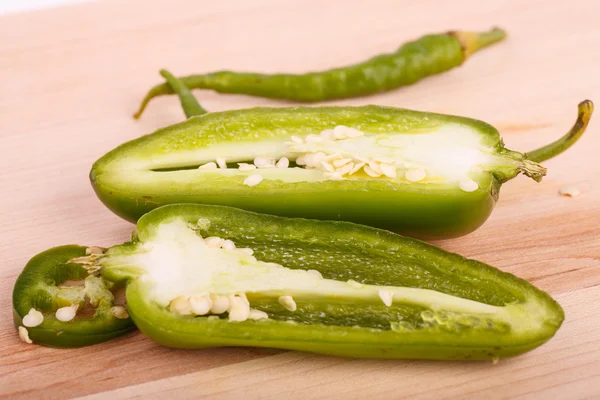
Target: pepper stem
<point x="472" y="42"/>
<point x="190" y="105"/>
<point x="585" y="109"/>
<point x="533" y="170"/>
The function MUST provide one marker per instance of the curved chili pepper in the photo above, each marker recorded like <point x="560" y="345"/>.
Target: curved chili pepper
<point x="421" y="174"/>
<point x="207" y="276"/>
<point x="413" y="61"/>
<point x="41" y="299"/>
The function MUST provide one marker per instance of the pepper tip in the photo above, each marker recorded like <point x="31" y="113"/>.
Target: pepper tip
<point x="472" y="42"/>
<point x="586" y="108"/>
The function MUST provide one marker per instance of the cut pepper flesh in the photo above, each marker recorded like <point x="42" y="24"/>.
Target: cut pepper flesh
<point x="428" y="175"/>
<point x="41" y="287"/>
<point x="328" y="287"/>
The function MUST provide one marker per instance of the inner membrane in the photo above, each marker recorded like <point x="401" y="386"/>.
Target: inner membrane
<point x="447" y="153"/>
<point x="196" y="276"/>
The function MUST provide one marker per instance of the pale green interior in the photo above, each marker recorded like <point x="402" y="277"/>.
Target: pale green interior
<point x="448" y="153"/>
<point x="177" y="262"/>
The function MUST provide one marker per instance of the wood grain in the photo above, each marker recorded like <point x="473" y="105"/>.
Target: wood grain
<point x="73" y="76"/>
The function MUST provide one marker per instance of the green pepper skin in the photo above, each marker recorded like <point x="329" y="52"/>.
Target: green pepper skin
<point x="366" y="255"/>
<point x="418" y="213"/>
<point x="45" y="271"/>
<point x="413" y="61"/>
<point x="127" y="181"/>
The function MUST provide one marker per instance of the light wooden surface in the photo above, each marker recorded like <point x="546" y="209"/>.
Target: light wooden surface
<point x="71" y="77"/>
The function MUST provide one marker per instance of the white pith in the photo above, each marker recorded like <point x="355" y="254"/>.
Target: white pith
<point x="184" y="271"/>
<point x="451" y="153"/>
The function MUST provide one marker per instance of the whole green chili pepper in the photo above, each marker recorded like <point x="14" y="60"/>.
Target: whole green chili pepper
<point x="413" y="61"/>
<point x="44" y="307"/>
<point x="421" y="174"/>
<point x="205" y="276"/>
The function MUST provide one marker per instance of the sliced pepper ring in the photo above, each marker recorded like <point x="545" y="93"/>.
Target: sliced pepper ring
<point x="41" y="287"/>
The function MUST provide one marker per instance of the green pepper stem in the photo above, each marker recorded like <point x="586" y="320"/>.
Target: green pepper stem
<point x="472" y="42"/>
<point x="190" y="105"/>
<point x="585" y="110"/>
<point x="533" y="170"/>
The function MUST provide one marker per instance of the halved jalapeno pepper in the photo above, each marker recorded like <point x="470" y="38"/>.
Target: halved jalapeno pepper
<point x="203" y="276"/>
<point x="421" y="174"/>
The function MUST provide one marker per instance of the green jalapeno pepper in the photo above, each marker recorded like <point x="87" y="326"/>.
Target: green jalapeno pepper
<point x="205" y="276"/>
<point x="45" y="307"/>
<point x="413" y="61"/>
<point x="421" y="174"/>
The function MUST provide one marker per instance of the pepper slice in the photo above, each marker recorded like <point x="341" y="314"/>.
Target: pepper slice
<point x="413" y="61"/>
<point x="204" y="276"/>
<point x="421" y="174"/>
<point x="41" y="296"/>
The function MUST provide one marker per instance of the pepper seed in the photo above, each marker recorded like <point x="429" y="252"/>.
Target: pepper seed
<point x="33" y="318"/>
<point x="468" y="185"/>
<point x="569" y="191"/>
<point x="246" y="167"/>
<point x="221" y="163"/>
<point x="386" y="296"/>
<point x="253" y="180"/>
<point x="283" y="163"/>
<point x="24" y="335"/>
<point x="415" y="175"/>
<point x="287" y="302"/>
<point x="66" y="314"/>
<point x="210" y="165"/>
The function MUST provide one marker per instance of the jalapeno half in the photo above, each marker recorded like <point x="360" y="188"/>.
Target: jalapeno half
<point x="421" y="174"/>
<point x="204" y="276"/>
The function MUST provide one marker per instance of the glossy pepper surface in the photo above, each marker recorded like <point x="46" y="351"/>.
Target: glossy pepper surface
<point x="413" y="61"/>
<point x="204" y="276"/>
<point x="43" y="288"/>
<point x="422" y="174"/>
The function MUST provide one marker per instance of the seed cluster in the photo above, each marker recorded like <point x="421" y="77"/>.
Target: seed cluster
<point x="235" y="304"/>
<point x="337" y="165"/>
<point x="259" y="163"/>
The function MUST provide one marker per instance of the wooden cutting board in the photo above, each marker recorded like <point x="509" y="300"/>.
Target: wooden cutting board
<point x="72" y="76"/>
